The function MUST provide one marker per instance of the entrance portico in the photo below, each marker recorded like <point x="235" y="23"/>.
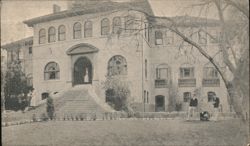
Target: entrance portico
<point x="82" y="66"/>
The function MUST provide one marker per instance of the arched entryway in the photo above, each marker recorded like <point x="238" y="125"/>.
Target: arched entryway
<point x="159" y="103"/>
<point x="83" y="71"/>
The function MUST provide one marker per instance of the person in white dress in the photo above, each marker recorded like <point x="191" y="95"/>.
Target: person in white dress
<point x="86" y="77"/>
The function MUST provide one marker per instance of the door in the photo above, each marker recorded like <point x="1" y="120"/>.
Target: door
<point x="159" y="103"/>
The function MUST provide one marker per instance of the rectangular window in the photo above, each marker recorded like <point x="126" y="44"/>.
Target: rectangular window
<point x="161" y="73"/>
<point x="210" y="96"/>
<point x="129" y="24"/>
<point x="210" y="72"/>
<point x="169" y="37"/>
<point x="187" y="72"/>
<point x="30" y="50"/>
<point x="145" y="94"/>
<point x="21" y="54"/>
<point x="186" y="96"/>
<point x="158" y="38"/>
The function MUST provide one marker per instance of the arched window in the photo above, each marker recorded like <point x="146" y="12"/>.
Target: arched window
<point x="105" y="27"/>
<point x="158" y="38"/>
<point x="52" y="34"/>
<point x="117" y="65"/>
<point x="77" y="30"/>
<point x="88" y="29"/>
<point x="61" y="33"/>
<point x="42" y="36"/>
<point x="51" y="71"/>
<point x="116" y="25"/>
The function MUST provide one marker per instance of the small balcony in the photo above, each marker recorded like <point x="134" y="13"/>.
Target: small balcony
<point x="211" y="82"/>
<point x="161" y="83"/>
<point x="187" y="82"/>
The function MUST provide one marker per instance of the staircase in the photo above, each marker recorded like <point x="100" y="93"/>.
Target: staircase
<point x="78" y="100"/>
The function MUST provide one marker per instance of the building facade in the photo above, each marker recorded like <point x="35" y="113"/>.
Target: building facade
<point x="125" y="40"/>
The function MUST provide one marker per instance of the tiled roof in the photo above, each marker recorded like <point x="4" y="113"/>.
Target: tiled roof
<point x="103" y="6"/>
<point x="17" y="43"/>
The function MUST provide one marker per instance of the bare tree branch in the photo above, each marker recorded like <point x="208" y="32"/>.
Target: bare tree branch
<point x="243" y="9"/>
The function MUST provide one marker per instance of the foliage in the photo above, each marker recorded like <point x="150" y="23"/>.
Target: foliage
<point x="16" y="88"/>
<point x="233" y="20"/>
<point x="117" y="92"/>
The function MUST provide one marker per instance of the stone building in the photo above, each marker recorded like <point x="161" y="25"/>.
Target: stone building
<point x="83" y="45"/>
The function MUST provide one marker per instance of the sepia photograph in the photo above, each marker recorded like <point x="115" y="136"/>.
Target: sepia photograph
<point x="125" y="73"/>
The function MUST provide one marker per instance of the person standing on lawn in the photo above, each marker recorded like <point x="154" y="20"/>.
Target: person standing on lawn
<point x="50" y="107"/>
<point x="192" y="106"/>
<point x="216" y="107"/>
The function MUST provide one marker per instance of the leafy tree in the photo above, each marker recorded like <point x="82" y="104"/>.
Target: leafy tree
<point x="16" y="87"/>
<point x="117" y="92"/>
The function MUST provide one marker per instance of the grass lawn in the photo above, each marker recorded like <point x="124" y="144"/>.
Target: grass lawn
<point x="125" y="132"/>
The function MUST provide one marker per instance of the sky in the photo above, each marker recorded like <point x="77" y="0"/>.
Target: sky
<point x="14" y="12"/>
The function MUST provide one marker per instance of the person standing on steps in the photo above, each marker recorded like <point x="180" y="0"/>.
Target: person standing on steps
<point x="192" y="106"/>
<point x="50" y="107"/>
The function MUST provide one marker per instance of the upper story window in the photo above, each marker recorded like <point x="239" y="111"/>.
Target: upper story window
<point x="202" y="37"/>
<point x="158" y="38"/>
<point x="51" y="71"/>
<point x="169" y="37"/>
<point x="162" y="71"/>
<point x="129" y="24"/>
<point x="210" y="72"/>
<point x="186" y="71"/>
<point x="105" y="26"/>
<point x="52" y="34"/>
<point x="30" y="50"/>
<point x="77" y="30"/>
<point x="117" y="25"/>
<point x="42" y="36"/>
<point x="61" y="33"/>
<point x="214" y="38"/>
<point x="88" y="29"/>
<point x="117" y="65"/>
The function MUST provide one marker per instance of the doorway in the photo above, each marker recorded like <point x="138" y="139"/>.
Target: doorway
<point x="82" y="71"/>
<point x="159" y="103"/>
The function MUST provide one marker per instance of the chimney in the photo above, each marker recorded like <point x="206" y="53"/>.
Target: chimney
<point x="56" y="8"/>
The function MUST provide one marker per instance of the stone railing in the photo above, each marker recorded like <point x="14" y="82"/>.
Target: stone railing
<point x="161" y="83"/>
<point x="211" y="82"/>
<point x="187" y="82"/>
